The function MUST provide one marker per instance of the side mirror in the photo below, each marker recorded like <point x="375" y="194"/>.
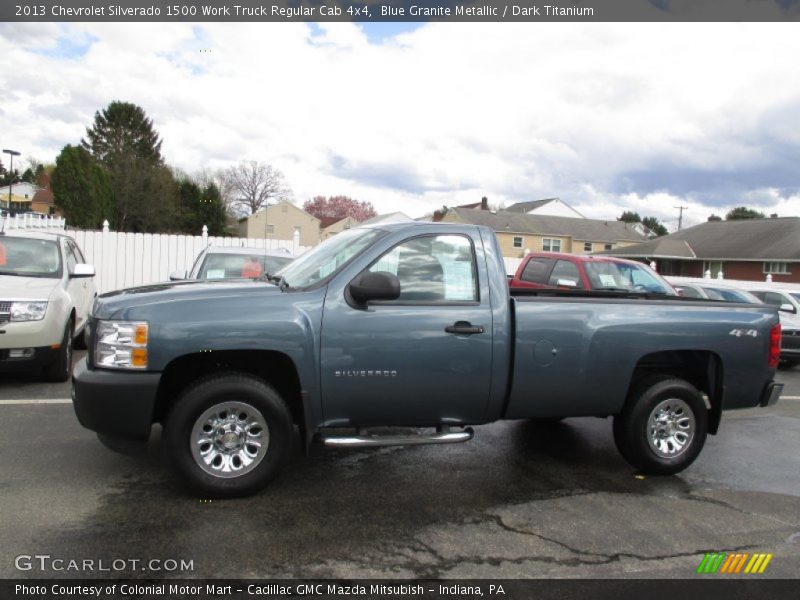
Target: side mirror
<point x="82" y="270"/>
<point x="369" y="286"/>
<point x="177" y="276"/>
<point x="570" y="283"/>
<point x="787" y="308"/>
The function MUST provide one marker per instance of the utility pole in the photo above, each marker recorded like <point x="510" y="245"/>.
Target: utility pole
<point x="680" y="215"/>
<point x="12" y="154"/>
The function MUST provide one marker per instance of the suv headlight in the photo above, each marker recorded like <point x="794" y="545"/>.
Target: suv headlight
<point x="28" y="311"/>
<point x="121" y="345"/>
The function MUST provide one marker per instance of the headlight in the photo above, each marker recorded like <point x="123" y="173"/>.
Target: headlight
<point x="28" y="311"/>
<point x="121" y="345"/>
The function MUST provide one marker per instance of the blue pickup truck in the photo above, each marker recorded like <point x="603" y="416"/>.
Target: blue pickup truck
<point x="408" y="334"/>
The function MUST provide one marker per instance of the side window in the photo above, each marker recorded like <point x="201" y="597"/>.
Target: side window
<point x="773" y="299"/>
<point x="565" y="269"/>
<point x="537" y="270"/>
<point x="433" y="269"/>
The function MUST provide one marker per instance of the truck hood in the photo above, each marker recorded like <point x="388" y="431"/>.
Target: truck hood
<point x="176" y="291"/>
<point x="26" y="288"/>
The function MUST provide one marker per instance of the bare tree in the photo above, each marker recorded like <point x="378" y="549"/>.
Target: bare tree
<point x="252" y="185"/>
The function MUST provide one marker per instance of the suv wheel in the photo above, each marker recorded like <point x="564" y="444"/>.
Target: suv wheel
<point x="61" y="368"/>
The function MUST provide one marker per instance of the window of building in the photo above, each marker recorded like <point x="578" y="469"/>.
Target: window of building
<point x="551" y="245"/>
<point x="608" y="247"/>
<point x="778" y="268"/>
<point x="517" y="242"/>
<point x="715" y="266"/>
<point x="269" y="229"/>
<point x="587" y="246"/>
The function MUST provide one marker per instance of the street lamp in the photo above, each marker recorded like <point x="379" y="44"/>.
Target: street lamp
<point x="12" y="154"/>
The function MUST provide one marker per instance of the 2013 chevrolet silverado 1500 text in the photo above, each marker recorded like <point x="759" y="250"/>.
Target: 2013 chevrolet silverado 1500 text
<point x="409" y="326"/>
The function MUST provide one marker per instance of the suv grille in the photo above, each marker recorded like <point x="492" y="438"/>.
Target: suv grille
<point x="5" y="311"/>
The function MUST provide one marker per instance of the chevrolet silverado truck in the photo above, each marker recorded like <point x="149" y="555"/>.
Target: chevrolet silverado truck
<point x="408" y="334"/>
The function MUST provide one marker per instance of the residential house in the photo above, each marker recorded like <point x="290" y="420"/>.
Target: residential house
<point x="520" y="233"/>
<point x="19" y="200"/>
<point x="329" y="226"/>
<point x="748" y="249"/>
<point x="43" y="203"/>
<point x="439" y="215"/>
<point x="280" y="222"/>
<point x="554" y="207"/>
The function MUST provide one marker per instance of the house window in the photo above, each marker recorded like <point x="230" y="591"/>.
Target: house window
<point x="284" y="207"/>
<point x="551" y="245"/>
<point x="587" y="246"/>
<point x="777" y="268"/>
<point x="714" y="266"/>
<point x="269" y="229"/>
<point x="609" y="247"/>
<point x="517" y="242"/>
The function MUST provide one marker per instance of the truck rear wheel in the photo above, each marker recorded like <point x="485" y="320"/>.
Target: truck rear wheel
<point x="228" y="435"/>
<point x="663" y="427"/>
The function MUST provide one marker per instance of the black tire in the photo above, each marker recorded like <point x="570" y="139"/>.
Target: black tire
<point x="61" y="368"/>
<point x="789" y="363"/>
<point x="218" y="394"/>
<point x="632" y="433"/>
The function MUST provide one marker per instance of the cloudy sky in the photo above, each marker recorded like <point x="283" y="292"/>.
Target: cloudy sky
<point x="608" y="117"/>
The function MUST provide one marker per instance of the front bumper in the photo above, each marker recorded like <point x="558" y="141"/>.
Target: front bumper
<point x="771" y="394"/>
<point x="41" y="357"/>
<point x="114" y="403"/>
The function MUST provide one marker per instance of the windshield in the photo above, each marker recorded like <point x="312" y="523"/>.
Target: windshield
<point x="796" y="296"/>
<point x="229" y="266"/>
<point x="27" y="257"/>
<point x="324" y="260"/>
<point x="625" y="276"/>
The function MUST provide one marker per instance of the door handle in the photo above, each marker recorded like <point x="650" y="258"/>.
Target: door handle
<point x="463" y="327"/>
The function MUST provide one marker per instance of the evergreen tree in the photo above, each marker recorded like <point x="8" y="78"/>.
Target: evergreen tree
<point x="122" y="139"/>
<point x="81" y="188"/>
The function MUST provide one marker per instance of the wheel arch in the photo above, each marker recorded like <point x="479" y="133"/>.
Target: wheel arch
<point x="274" y="368"/>
<point x="702" y="368"/>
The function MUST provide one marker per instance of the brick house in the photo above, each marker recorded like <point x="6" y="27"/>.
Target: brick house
<point x="748" y="249"/>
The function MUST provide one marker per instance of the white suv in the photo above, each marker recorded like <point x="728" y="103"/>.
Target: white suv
<point x="46" y="293"/>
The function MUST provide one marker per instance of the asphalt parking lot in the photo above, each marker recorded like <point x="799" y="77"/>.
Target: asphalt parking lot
<point x="520" y="500"/>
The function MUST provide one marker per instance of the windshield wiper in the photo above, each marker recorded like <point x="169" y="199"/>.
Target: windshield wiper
<point x="13" y="273"/>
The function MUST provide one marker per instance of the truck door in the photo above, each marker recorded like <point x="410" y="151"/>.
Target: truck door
<point x="422" y="359"/>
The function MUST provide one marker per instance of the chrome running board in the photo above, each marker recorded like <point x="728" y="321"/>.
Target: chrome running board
<point x="364" y="440"/>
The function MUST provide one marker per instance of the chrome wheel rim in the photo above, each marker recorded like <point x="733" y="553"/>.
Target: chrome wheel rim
<point x="229" y="439"/>
<point x="671" y="428"/>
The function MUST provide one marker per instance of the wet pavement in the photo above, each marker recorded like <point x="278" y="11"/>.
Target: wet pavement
<point x="520" y="500"/>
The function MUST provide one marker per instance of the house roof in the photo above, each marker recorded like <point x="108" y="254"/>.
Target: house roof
<point x="395" y="217"/>
<point x="523" y="207"/>
<point x="746" y="239"/>
<point x="328" y="221"/>
<point x="44" y="196"/>
<point x="580" y="229"/>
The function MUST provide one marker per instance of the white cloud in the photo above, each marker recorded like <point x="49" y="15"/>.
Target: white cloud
<point x="607" y="116"/>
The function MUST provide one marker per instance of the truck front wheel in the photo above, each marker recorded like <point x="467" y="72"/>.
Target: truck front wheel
<point x="228" y="435"/>
<point x="663" y="426"/>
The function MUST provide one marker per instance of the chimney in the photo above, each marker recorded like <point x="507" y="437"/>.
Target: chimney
<point x="484" y="203"/>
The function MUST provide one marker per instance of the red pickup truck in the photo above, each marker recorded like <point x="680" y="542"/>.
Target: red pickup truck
<point x="586" y="272"/>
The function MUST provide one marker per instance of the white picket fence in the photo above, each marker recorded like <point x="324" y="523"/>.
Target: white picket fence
<point x="32" y="221"/>
<point x="126" y="259"/>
